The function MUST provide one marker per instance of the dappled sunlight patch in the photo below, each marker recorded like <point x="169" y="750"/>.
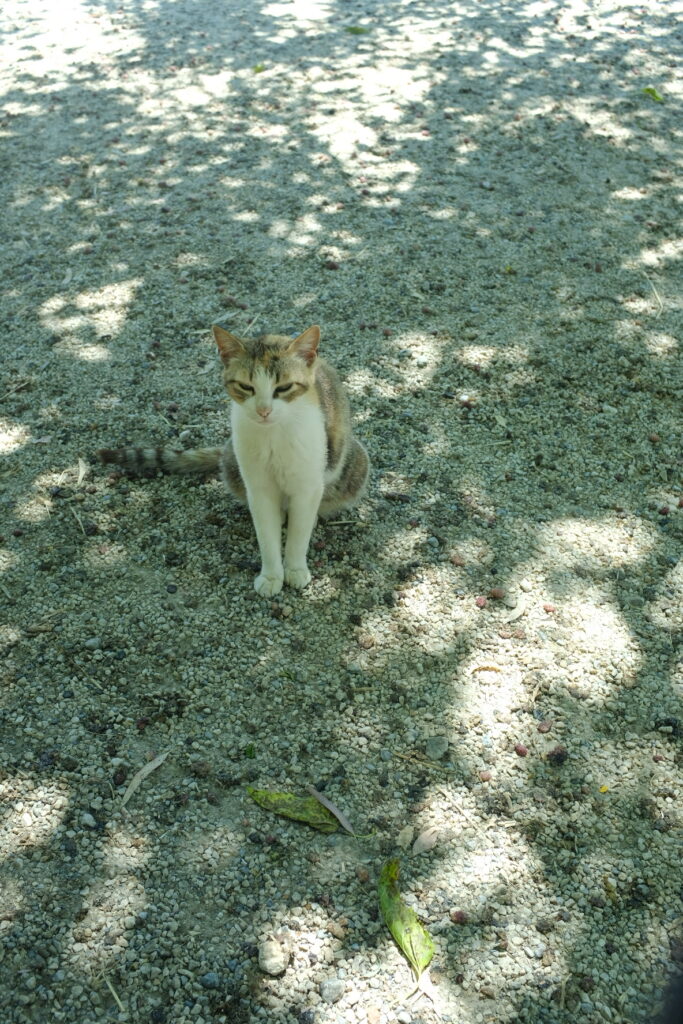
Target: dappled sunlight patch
<point x="670" y="251"/>
<point x="473" y="356"/>
<point x="598" y="630"/>
<point x="104" y="310"/>
<point x="87" y="353"/>
<point x="125" y="852"/>
<point x="490" y="688"/>
<point x="213" y="848"/>
<point x="428" y="611"/>
<point x="99" y="936"/>
<point x="9" y="635"/>
<point x="35" y="508"/>
<point x="665" y="610"/>
<point x="12" y="437"/>
<point x="32" y="812"/>
<point x="662" y="345"/>
<point x="598" y="119"/>
<point x="594" y="544"/>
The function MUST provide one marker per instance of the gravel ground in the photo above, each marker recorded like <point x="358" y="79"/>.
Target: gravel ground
<point x="477" y="202"/>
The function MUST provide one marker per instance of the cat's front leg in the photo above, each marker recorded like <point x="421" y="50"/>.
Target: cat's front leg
<point x="303" y="510"/>
<point x="265" y="508"/>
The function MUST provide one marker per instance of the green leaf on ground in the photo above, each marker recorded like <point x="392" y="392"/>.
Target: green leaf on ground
<point x="298" y="808"/>
<point x="258" y="68"/>
<point x="653" y="94"/>
<point x="356" y="30"/>
<point x="412" y="938"/>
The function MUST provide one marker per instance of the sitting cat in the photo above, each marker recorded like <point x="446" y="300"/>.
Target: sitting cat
<point x="291" y="452"/>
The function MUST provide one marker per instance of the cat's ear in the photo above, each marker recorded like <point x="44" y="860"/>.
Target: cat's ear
<point x="228" y="345"/>
<point x="306" y="345"/>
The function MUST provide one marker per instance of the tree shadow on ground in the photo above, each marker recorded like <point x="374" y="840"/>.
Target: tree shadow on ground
<point x="205" y="194"/>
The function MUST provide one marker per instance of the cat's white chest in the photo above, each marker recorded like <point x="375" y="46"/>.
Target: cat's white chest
<point x="291" y="452"/>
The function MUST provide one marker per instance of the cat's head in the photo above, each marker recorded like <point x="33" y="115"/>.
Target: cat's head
<point x="267" y="375"/>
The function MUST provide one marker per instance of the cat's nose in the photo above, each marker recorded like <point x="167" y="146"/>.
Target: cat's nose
<point x="264" y="411"/>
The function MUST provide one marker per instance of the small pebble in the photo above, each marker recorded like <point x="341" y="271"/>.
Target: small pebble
<point x="331" y="990"/>
<point x="210" y="980"/>
<point x="272" y="958"/>
<point x="459" y="917"/>
<point x="436" y="747"/>
<point x="521" y="750"/>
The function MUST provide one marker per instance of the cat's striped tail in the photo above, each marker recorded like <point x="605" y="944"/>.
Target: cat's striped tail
<point x="165" y="460"/>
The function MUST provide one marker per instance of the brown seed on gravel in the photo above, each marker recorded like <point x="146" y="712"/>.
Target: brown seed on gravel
<point x="336" y="929"/>
<point x="480" y="602"/>
<point x="331" y="265"/>
<point x="545" y="726"/>
<point x="680" y="503"/>
<point x="521" y="750"/>
<point x="549" y="608"/>
<point x="654" y="438"/>
<point x="558" y="755"/>
<point x="485" y="776"/>
<point x="497" y="593"/>
<point x="363" y="875"/>
<point x="387" y="332"/>
<point x="459" y="917"/>
<point x="457" y="559"/>
<point x="664" y="510"/>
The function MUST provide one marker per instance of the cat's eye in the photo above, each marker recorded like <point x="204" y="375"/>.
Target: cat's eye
<point x="245" y="387"/>
<point x="283" y="388"/>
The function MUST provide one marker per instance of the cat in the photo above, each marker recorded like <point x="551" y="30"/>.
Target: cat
<point x="291" y="452"/>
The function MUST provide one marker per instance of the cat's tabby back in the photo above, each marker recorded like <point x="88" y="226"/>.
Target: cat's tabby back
<point x="291" y="452"/>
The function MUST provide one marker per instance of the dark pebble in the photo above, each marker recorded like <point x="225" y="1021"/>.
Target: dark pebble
<point x="210" y="980"/>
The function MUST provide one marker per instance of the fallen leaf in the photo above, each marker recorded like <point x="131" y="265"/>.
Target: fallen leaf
<point x="426" y="841"/>
<point x="339" y="815"/>
<point x="356" y="30"/>
<point x="142" y="774"/>
<point x="412" y="938"/>
<point x="405" y="837"/>
<point x="298" y="808"/>
<point x="518" y="611"/>
<point x="653" y="94"/>
<point x="82" y="470"/>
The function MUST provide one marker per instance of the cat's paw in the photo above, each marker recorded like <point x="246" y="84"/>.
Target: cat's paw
<point x="268" y="586"/>
<point x="298" y="578"/>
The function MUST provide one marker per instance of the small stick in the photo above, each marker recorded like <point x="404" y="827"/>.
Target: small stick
<point x="17" y="387"/>
<point x="346" y="522"/>
<point x="657" y="296"/>
<point x="563" y="988"/>
<point x="78" y="520"/>
<point x="118" y="1002"/>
